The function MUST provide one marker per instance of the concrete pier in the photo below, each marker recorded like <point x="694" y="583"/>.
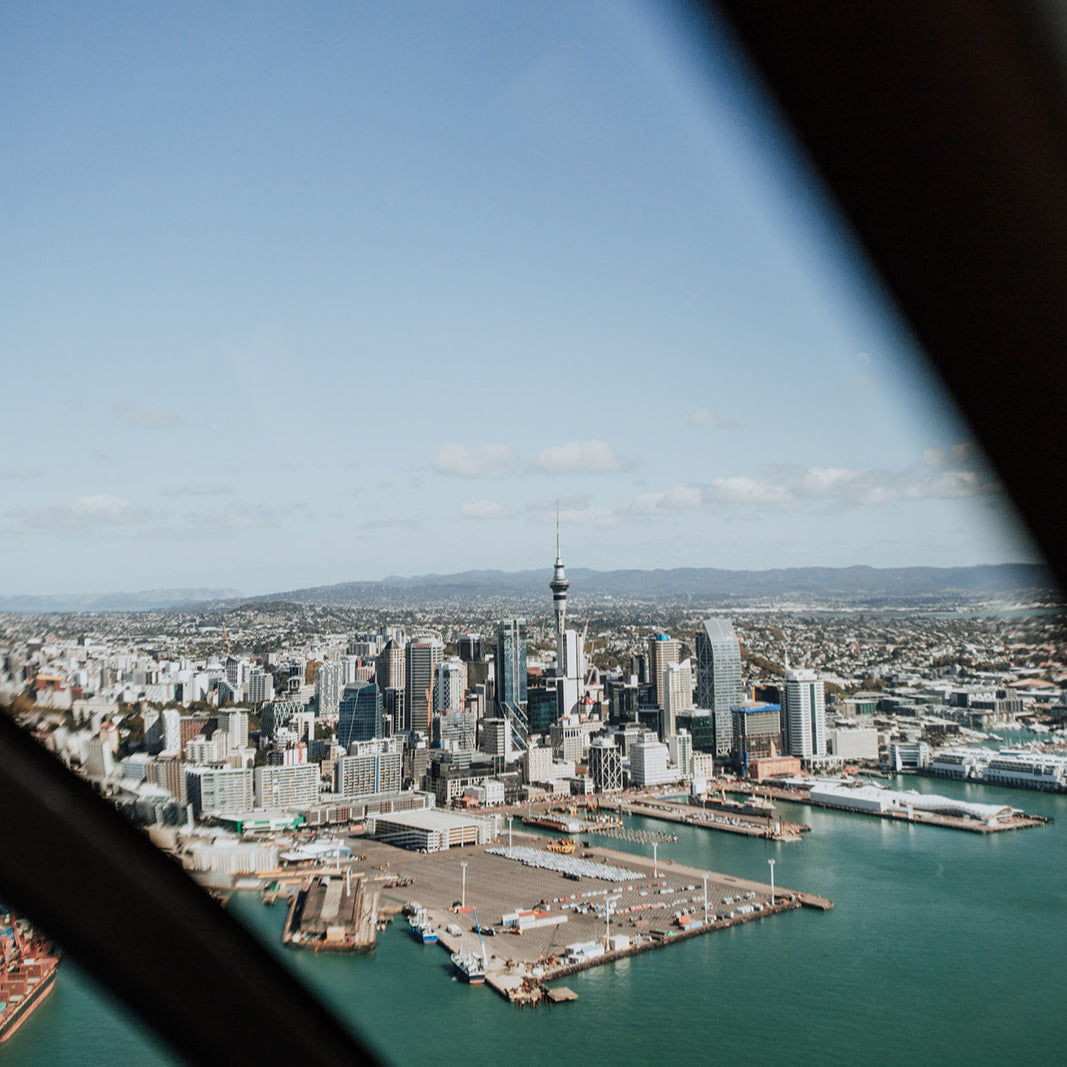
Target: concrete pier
<point x="333" y="914"/>
<point x="766" y="826"/>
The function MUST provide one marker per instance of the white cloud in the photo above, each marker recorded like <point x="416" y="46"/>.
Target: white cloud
<point x="259" y="517"/>
<point x="148" y="416"/>
<point x="941" y="476"/>
<point x="746" y="491"/>
<point x="80" y="515"/>
<point x="484" y="509"/>
<point x="681" y="498"/>
<point x="962" y="456"/>
<point x="579" y="457"/>
<point x="19" y="472"/>
<point x="704" y="417"/>
<point x="216" y="525"/>
<point x="485" y="461"/>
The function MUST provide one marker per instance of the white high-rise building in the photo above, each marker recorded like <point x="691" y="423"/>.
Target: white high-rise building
<point x="571" y="669"/>
<point x="329" y="684"/>
<point x="172" y="732"/>
<point x="680" y="747"/>
<point x="449" y="685"/>
<point x="234" y="723"/>
<point x="677" y="694"/>
<point x="260" y="687"/>
<point x="220" y="790"/>
<point x="805" y="713"/>
<point x="350" y="665"/>
<point x="289" y="786"/>
<point x="648" y="764"/>
<point x="537" y="763"/>
<point x="99" y="762"/>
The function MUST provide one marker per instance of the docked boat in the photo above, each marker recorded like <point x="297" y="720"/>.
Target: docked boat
<point x="550" y="822"/>
<point x="469" y="965"/>
<point x="421" y="929"/>
<point x="28" y="965"/>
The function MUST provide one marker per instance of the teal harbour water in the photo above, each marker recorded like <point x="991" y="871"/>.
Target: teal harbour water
<point x="943" y="947"/>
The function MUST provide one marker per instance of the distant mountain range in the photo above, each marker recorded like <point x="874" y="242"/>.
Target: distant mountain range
<point x="676" y="584"/>
<point x="686" y="582"/>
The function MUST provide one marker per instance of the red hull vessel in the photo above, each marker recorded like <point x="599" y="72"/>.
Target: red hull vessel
<point x="28" y="967"/>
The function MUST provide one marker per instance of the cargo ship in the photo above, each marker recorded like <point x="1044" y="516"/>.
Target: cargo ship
<point x="28" y="965"/>
<point x="551" y="821"/>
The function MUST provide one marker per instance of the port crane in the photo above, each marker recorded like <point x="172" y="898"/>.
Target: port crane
<point x="477" y="926"/>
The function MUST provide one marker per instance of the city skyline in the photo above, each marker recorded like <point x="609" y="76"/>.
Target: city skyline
<point x="367" y="293"/>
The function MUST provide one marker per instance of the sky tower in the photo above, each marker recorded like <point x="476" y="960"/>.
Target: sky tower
<point x="559" y="586"/>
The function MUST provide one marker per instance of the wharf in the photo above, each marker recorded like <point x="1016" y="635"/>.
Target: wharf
<point x="332" y="915"/>
<point x="654" y="905"/>
<point x="1017" y="820"/>
<point x="765" y="826"/>
<point x="525" y="985"/>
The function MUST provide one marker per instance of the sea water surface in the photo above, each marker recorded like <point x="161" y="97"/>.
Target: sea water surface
<point x="942" y="947"/>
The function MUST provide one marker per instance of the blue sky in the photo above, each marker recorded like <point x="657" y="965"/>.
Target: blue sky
<point x="297" y="294"/>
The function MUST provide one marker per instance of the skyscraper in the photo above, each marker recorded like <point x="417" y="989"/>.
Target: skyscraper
<point x="359" y="715"/>
<point x="662" y="650"/>
<point x="389" y="666"/>
<point x="423" y="655"/>
<point x="805" y="713"/>
<point x="719" y="678"/>
<point x="510" y="672"/>
<point x="329" y="682"/>
<point x="677" y="695"/>
<point x="471" y="647"/>
<point x="449" y="685"/>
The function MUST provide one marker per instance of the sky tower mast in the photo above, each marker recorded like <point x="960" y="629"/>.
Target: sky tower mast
<point x="559" y="586"/>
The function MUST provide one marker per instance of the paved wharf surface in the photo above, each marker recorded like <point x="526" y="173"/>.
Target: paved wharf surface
<point x="645" y="906"/>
